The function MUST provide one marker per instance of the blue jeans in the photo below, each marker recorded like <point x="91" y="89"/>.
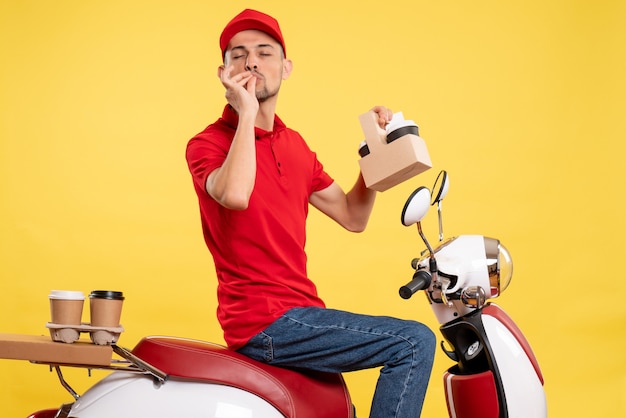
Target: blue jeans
<point x="336" y="341"/>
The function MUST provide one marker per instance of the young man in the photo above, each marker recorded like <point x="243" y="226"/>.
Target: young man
<point x="255" y="179"/>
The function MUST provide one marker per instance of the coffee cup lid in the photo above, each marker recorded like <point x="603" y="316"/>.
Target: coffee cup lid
<point x="106" y="294"/>
<point x="66" y="294"/>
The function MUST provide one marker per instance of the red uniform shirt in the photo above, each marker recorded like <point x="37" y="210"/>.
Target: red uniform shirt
<point x="258" y="252"/>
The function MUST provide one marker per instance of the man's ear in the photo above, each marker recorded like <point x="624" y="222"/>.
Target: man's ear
<point x="287" y="68"/>
<point x="220" y="70"/>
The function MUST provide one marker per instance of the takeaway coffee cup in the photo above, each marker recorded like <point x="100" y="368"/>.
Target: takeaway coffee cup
<point x="66" y="307"/>
<point x="105" y="308"/>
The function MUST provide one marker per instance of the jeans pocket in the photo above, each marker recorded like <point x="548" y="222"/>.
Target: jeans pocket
<point x="267" y="346"/>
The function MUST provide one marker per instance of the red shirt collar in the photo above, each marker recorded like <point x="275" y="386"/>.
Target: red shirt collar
<point x="231" y="118"/>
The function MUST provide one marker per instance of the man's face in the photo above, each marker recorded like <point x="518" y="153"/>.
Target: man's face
<point x="256" y="51"/>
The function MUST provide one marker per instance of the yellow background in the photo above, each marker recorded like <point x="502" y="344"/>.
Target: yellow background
<point x="522" y="102"/>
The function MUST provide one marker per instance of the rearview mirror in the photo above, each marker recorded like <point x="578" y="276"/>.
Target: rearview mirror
<point x="416" y="206"/>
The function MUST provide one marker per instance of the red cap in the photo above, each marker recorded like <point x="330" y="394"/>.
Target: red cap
<point x="251" y="19"/>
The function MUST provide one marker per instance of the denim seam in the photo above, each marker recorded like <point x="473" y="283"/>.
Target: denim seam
<point x="352" y="329"/>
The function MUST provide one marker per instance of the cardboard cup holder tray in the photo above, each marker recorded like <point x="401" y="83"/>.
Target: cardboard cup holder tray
<point x="70" y="333"/>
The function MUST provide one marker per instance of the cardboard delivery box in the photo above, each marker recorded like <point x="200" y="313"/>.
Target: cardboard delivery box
<point x="42" y="349"/>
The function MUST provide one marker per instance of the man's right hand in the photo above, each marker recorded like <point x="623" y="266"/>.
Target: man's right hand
<point x="240" y="90"/>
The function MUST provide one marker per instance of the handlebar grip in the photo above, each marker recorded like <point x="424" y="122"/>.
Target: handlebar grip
<point x="421" y="281"/>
